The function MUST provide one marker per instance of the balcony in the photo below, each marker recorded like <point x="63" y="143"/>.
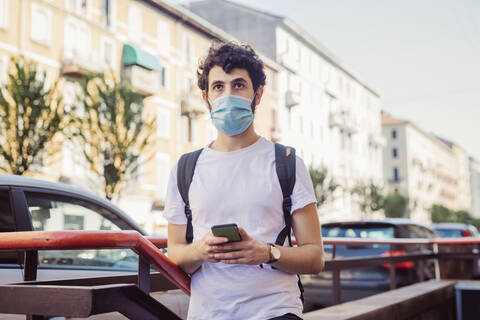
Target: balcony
<point x="335" y="119"/>
<point x="192" y="105"/>
<point x="344" y="121"/>
<point x="144" y="81"/>
<point x="76" y="64"/>
<point x="292" y="99"/>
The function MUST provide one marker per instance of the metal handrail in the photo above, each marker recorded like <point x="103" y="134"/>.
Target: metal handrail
<point x="147" y="247"/>
<point x="82" y="240"/>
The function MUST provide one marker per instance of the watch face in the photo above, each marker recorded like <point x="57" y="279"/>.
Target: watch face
<point x="276" y="253"/>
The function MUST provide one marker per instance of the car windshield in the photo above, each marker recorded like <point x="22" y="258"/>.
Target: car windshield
<point x="374" y="232"/>
<point x="449" y="233"/>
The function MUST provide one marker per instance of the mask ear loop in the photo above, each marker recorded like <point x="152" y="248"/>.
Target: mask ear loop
<point x="253" y="105"/>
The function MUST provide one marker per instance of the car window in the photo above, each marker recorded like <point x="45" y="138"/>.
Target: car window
<point x="359" y="232"/>
<point x="7" y="224"/>
<point x="417" y="232"/>
<point x="449" y="233"/>
<point x="56" y="213"/>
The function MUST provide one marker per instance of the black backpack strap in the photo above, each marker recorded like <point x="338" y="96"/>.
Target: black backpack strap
<point x="285" y="166"/>
<point x="185" y="171"/>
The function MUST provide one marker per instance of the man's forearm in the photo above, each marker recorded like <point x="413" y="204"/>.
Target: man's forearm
<point x="306" y="259"/>
<point x="185" y="256"/>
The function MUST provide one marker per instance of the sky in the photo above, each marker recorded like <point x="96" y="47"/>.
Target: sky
<point x="422" y="57"/>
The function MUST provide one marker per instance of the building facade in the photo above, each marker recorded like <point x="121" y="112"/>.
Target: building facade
<point x="329" y="115"/>
<point x="475" y="186"/>
<point x="156" y="45"/>
<point x="424" y="168"/>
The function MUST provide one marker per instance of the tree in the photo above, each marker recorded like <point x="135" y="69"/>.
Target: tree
<point x="31" y="116"/>
<point x="369" y="197"/>
<point x="441" y="213"/>
<point x="395" y="205"/>
<point x="113" y="130"/>
<point x="323" y="185"/>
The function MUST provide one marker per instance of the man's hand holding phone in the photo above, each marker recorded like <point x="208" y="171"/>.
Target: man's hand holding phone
<point x="206" y="246"/>
<point x="240" y="249"/>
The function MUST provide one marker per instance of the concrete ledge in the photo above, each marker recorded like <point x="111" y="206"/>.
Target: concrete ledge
<point x="421" y="301"/>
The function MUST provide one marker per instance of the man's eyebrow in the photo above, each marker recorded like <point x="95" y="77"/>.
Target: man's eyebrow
<point x="214" y="83"/>
<point x="239" y="80"/>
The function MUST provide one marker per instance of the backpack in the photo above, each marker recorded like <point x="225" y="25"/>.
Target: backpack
<point x="285" y="167"/>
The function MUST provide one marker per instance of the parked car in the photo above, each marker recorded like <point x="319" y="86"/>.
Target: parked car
<point x="29" y="204"/>
<point x="455" y="230"/>
<point x="363" y="282"/>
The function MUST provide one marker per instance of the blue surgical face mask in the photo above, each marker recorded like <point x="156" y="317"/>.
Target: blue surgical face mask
<point x="231" y="114"/>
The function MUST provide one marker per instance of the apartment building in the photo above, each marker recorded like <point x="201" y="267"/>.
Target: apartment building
<point x="475" y="186"/>
<point x="426" y="169"/>
<point x="154" y="44"/>
<point x="330" y="115"/>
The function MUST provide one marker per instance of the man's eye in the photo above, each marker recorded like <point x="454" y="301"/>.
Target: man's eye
<point x="217" y="87"/>
<point x="239" y="85"/>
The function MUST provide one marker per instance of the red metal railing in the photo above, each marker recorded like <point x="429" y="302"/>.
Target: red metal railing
<point x="147" y="247"/>
<point x="76" y="240"/>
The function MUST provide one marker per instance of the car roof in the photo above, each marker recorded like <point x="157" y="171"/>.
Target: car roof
<point x="384" y="222"/>
<point x="21" y="181"/>
<point x="450" y="225"/>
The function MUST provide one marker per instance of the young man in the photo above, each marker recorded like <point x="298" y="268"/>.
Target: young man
<point x="235" y="181"/>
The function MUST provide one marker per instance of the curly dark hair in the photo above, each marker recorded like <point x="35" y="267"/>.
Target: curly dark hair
<point x="230" y="55"/>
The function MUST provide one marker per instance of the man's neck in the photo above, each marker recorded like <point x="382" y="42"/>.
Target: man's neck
<point x="226" y="143"/>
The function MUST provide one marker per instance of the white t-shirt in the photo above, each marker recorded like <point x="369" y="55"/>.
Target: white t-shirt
<point x="240" y="187"/>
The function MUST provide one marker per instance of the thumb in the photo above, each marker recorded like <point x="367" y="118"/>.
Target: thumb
<point x="243" y="233"/>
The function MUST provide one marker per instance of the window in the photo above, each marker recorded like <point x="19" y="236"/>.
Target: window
<point x="41" y="25"/>
<point x="186" y="129"/>
<point x="194" y="131"/>
<point x="395" y="175"/>
<point x="188" y="84"/>
<point x="107" y="52"/>
<point x="77" y="39"/>
<point x="52" y="212"/>
<point x="394" y="134"/>
<point x="79" y="7"/>
<point x="394" y="152"/>
<point x="4" y="12"/>
<point x="163" y="77"/>
<point x="188" y="49"/>
<point x="7" y="224"/>
<point x="107" y="13"/>
<point x="163" y="173"/>
<point x="163" y="30"/>
<point x="135" y="23"/>
<point x="163" y="123"/>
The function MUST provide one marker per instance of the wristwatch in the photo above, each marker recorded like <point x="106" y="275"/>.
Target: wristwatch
<point x="274" y="253"/>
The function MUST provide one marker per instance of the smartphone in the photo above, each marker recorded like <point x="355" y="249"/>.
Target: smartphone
<point x="229" y="231"/>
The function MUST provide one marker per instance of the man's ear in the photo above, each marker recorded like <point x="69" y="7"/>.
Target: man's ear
<point x="205" y="99"/>
<point x="258" y="95"/>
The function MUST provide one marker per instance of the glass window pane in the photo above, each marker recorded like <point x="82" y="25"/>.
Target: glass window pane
<point x="7" y="224"/>
<point x="54" y="213"/>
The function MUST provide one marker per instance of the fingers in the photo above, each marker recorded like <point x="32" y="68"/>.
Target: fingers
<point x="233" y="255"/>
<point x="233" y="246"/>
<point x="244" y="234"/>
<point x="212" y="240"/>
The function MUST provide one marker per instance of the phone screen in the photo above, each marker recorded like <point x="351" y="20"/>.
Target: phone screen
<point x="229" y="231"/>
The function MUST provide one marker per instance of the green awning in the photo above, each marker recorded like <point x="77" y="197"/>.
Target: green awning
<point x="132" y="55"/>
